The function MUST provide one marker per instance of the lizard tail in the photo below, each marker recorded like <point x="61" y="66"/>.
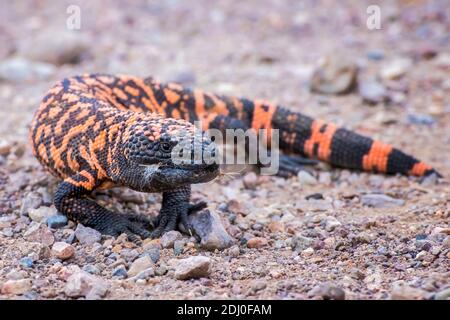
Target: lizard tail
<point x="341" y="147"/>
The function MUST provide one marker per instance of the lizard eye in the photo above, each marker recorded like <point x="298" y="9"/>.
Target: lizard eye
<point x="166" y="147"/>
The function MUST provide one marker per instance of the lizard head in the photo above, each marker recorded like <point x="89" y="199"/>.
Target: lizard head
<point x="165" y="153"/>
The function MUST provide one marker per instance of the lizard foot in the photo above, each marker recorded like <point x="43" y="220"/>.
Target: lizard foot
<point x="290" y="165"/>
<point x="169" y="217"/>
<point x="134" y="226"/>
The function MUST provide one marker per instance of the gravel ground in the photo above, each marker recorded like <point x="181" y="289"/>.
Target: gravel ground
<point x="329" y="233"/>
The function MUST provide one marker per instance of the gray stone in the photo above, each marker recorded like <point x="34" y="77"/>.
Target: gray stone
<point x="208" y="225"/>
<point x="381" y="201"/>
<point x="372" y="91"/>
<point x="169" y="238"/>
<point x="327" y="292"/>
<point x="86" y="235"/>
<point x="120" y="272"/>
<point x="193" y="267"/>
<point x="139" y="265"/>
<point x="300" y="243"/>
<point x="41" y="214"/>
<point x="20" y="70"/>
<point x="57" y="221"/>
<point x="83" y="284"/>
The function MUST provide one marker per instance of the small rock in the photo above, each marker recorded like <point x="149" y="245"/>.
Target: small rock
<point x="375" y="55"/>
<point x="38" y="232"/>
<point x="41" y="214"/>
<point x="331" y="223"/>
<point x="86" y="235"/>
<point x="161" y="270"/>
<point x="154" y="253"/>
<point x="307" y="252"/>
<point x="193" y="267"/>
<point x="250" y="180"/>
<point x="300" y="243"/>
<point x="26" y="262"/>
<point x="257" y="242"/>
<point x="234" y="251"/>
<point x="89" y="268"/>
<point x="446" y="242"/>
<point x="16" y="287"/>
<point x="442" y="295"/>
<point x="421" y="119"/>
<point x="327" y="292"/>
<point x="5" y="147"/>
<point x="56" y="221"/>
<point x="32" y="200"/>
<point x="178" y="247"/>
<point x="208" y="225"/>
<point x="402" y="291"/>
<point x="83" y="284"/>
<point x="306" y="179"/>
<point x="186" y="78"/>
<point x="276" y="226"/>
<point x="395" y="69"/>
<point x="381" y="201"/>
<point x="139" y="265"/>
<point x="314" y="196"/>
<point x="438" y="230"/>
<point x="372" y="92"/>
<point x="335" y="75"/>
<point x="120" y="272"/>
<point x="63" y="250"/>
<point x="169" y="238"/>
<point x="258" y="285"/>
<point x="145" y="274"/>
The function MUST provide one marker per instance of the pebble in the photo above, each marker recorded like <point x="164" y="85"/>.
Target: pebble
<point x="31" y="201"/>
<point x="63" y="250"/>
<point x="335" y="75"/>
<point x="306" y="179"/>
<point x="234" y="251"/>
<point x="26" y="262"/>
<point x="257" y="242"/>
<point x="178" y="247"/>
<point x="5" y="147"/>
<point x="154" y="253"/>
<point x="83" y="284"/>
<point x="276" y="226"/>
<point x="258" y="285"/>
<point x="395" y="69"/>
<point x="442" y="295"/>
<point x="250" y="180"/>
<point x="161" y="270"/>
<point x="381" y="201"/>
<point x="209" y="226"/>
<point x="300" y="243"/>
<point x="56" y="221"/>
<point x="38" y="232"/>
<point x="89" y="268"/>
<point x="375" y="55"/>
<point x="139" y="265"/>
<point x="193" y="267"/>
<point x="372" y="92"/>
<point x="22" y="70"/>
<point x="41" y="214"/>
<point x="145" y="274"/>
<point x="86" y="235"/>
<point x="16" y="287"/>
<point x="327" y="292"/>
<point x="331" y="223"/>
<point x="307" y="252"/>
<point x="420" y="119"/>
<point x="446" y="242"/>
<point x="120" y="272"/>
<point x="168" y="239"/>
<point x="442" y="230"/>
<point x="402" y="291"/>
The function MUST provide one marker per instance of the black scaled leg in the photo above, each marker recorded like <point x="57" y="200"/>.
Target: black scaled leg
<point x="176" y="208"/>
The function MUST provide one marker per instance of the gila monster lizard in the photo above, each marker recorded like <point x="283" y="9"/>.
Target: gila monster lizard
<point x="99" y="131"/>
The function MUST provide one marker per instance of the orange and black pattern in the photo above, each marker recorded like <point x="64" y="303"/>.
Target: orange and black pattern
<point x="83" y="124"/>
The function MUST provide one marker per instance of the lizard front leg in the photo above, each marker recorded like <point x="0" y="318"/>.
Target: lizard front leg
<point x="71" y="200"/>
<point x="176" y="208"/>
